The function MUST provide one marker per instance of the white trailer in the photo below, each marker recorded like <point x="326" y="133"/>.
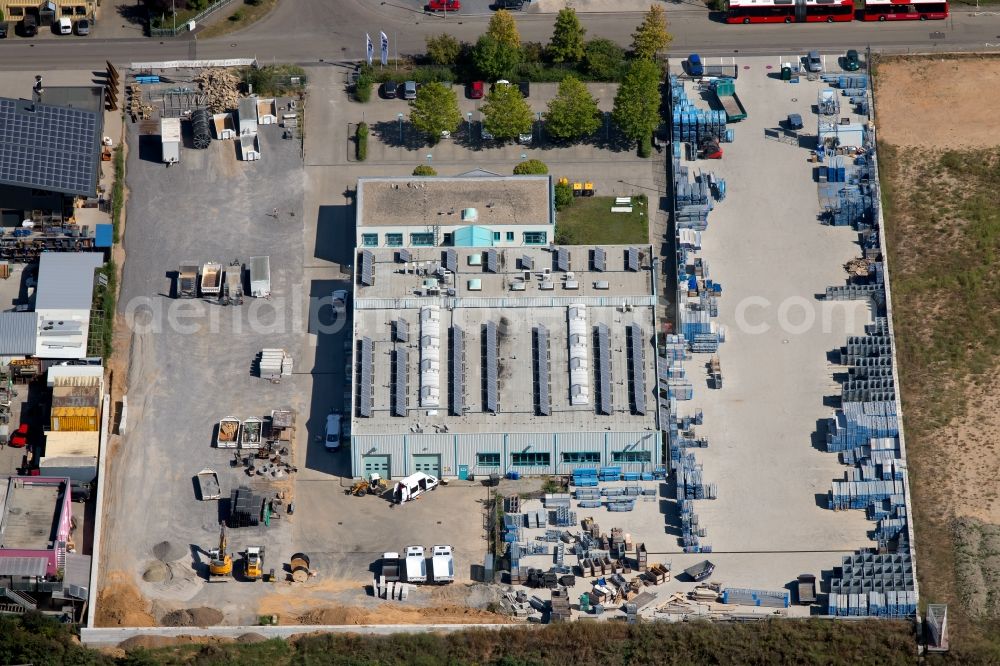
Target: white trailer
<point x="413" y="486"/>
<point x="260" y="277"/>
<point x="416" y="565"/>
<point x="170" y="140"/>
<point x="442" y="565"/>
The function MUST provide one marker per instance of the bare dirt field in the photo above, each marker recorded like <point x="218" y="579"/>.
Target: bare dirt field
<point x="939" y="103"/>
<point x="940" y="180"/>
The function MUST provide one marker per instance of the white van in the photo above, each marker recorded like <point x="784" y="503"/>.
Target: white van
<point x="413" y="487"/>
<point x="65" y="26"/>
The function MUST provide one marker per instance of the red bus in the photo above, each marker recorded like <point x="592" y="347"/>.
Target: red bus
<point x="789" y="11"/>
<point x="904" y="10"/>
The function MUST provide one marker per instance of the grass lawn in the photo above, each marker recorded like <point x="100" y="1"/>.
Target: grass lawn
<point x="237" y="16"/>
<point x="589" y="221"/>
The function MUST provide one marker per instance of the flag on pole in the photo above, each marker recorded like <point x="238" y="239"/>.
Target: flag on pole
<point x="385" y="49"/>
<point x="370" y="48"/>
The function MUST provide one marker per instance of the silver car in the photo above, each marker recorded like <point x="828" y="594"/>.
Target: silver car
<point x="813" y="62"/>
<point x="410" y="90"/>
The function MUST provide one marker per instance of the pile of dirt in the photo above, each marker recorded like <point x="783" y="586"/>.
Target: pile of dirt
<point x="119" y="604"/>
<point x="250" y="638"/>
<point x="167" y="551"/>
<point x="193" y="617"/>
<point x="156" y="572"/>
<point x="395" y="614"/>
<point x="148" y="642"/>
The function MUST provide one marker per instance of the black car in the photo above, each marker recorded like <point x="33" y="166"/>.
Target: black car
<point x="29" y="26"/>
<point x="525" y="88"/>
<point x="508" y="4"/>
<point x="3" y="29"/>
<point x="389" y="90"/>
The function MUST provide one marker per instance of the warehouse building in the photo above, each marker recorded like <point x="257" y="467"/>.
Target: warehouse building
<point x="536" y="360"/>
<point x="63" y="303"/>
<point x="477" y="209"/>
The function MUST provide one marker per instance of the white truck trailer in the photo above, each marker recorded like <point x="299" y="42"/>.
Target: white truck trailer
<point x="170" y="140"/>
<point x="260" y="277"/>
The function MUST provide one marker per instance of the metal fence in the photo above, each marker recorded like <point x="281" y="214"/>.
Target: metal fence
<point x="173" y="31"/>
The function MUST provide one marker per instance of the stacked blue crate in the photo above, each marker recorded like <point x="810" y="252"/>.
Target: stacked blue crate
<point x="585" y="477"/>
<point x="610" y="473"/>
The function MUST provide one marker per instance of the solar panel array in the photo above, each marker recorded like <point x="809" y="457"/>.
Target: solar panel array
<point x="637" y="363"/>
<point x="543" y="371"/>
<point x="400" y="377"/>
<point x="491" y="357"/>
<point x="604" y="369"/>
<point x="48" y="148"/>
<point x="366" y="385"/>
<point x="491" y="261"/>
<point x="457" y="371"/>
<point x="632" y="259"/>
<point x="527" y="263"/>
<point x="400" y="330"/>
<point x="562" y="259"/>
<point x="600" y="259"/>
<point x="451" y="260"/>
<point x="367" y="268"/>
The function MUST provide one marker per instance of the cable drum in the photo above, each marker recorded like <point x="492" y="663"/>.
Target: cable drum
<point x="201" y="128"/>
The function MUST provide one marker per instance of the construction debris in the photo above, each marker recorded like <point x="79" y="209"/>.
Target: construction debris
<point x="857" y="267"/>
<point x="221" y="87"/>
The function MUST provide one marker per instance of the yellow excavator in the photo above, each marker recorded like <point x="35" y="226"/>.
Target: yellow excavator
<point x="220" y="568"/>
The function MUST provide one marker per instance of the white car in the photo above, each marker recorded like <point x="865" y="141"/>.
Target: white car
<point x="524" y="139"/>
<point x="331" y="438"/>
<point x="485" y="135"/>
<point x="65" y="26"/>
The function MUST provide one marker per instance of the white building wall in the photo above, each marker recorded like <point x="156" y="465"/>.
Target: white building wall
<point x="517" y="229"/>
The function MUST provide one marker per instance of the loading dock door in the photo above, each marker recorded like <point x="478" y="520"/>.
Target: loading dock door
<point x="428" y="465"/>
<point x="376" y="464"/>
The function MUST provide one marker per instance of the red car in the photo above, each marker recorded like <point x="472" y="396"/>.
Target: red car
<point x="20" y="437"/>
<point x="444" y="5"/>
<point x="476" y="90"/>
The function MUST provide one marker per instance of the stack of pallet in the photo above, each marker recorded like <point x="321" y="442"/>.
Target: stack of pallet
<point x="560" y="610"/>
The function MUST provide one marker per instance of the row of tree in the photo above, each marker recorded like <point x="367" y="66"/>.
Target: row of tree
<point x="498" y="53"/>
<point x="573" y="113"/>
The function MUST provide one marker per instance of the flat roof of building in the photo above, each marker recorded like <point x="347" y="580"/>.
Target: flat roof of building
<point x="66" y="280"/>
<point x="517" y="316"/>
<point x="30" y="513"/>
<point x="428" y="202"/>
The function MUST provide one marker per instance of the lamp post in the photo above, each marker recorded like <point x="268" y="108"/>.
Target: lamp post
<point x="468" y="120"/>
<point x="173" y="10"/>
<point x="400" y="117"/>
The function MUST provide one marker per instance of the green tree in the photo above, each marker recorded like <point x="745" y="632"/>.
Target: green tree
<point x="443" y="50"/>
<point x="424" y="170"/>
<point x="435" y="110"/>
<point x="573" y="112"/>
<point x="637" y="104"/>
<point x="495" y="60"/>
<point x="506" y="114"/>
<point x="603" y="59"/>
<point x="566" y="44"/>
<point x="651" y="37"/>
<point x="503" y="28"/>
<point x="531" y="168"/>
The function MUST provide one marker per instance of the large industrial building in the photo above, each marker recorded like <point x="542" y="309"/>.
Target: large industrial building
<point x="478" y="209"/>
<point x="470" y="361"/>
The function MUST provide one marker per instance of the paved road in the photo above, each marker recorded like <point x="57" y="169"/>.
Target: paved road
<point x="302" y="31"/>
